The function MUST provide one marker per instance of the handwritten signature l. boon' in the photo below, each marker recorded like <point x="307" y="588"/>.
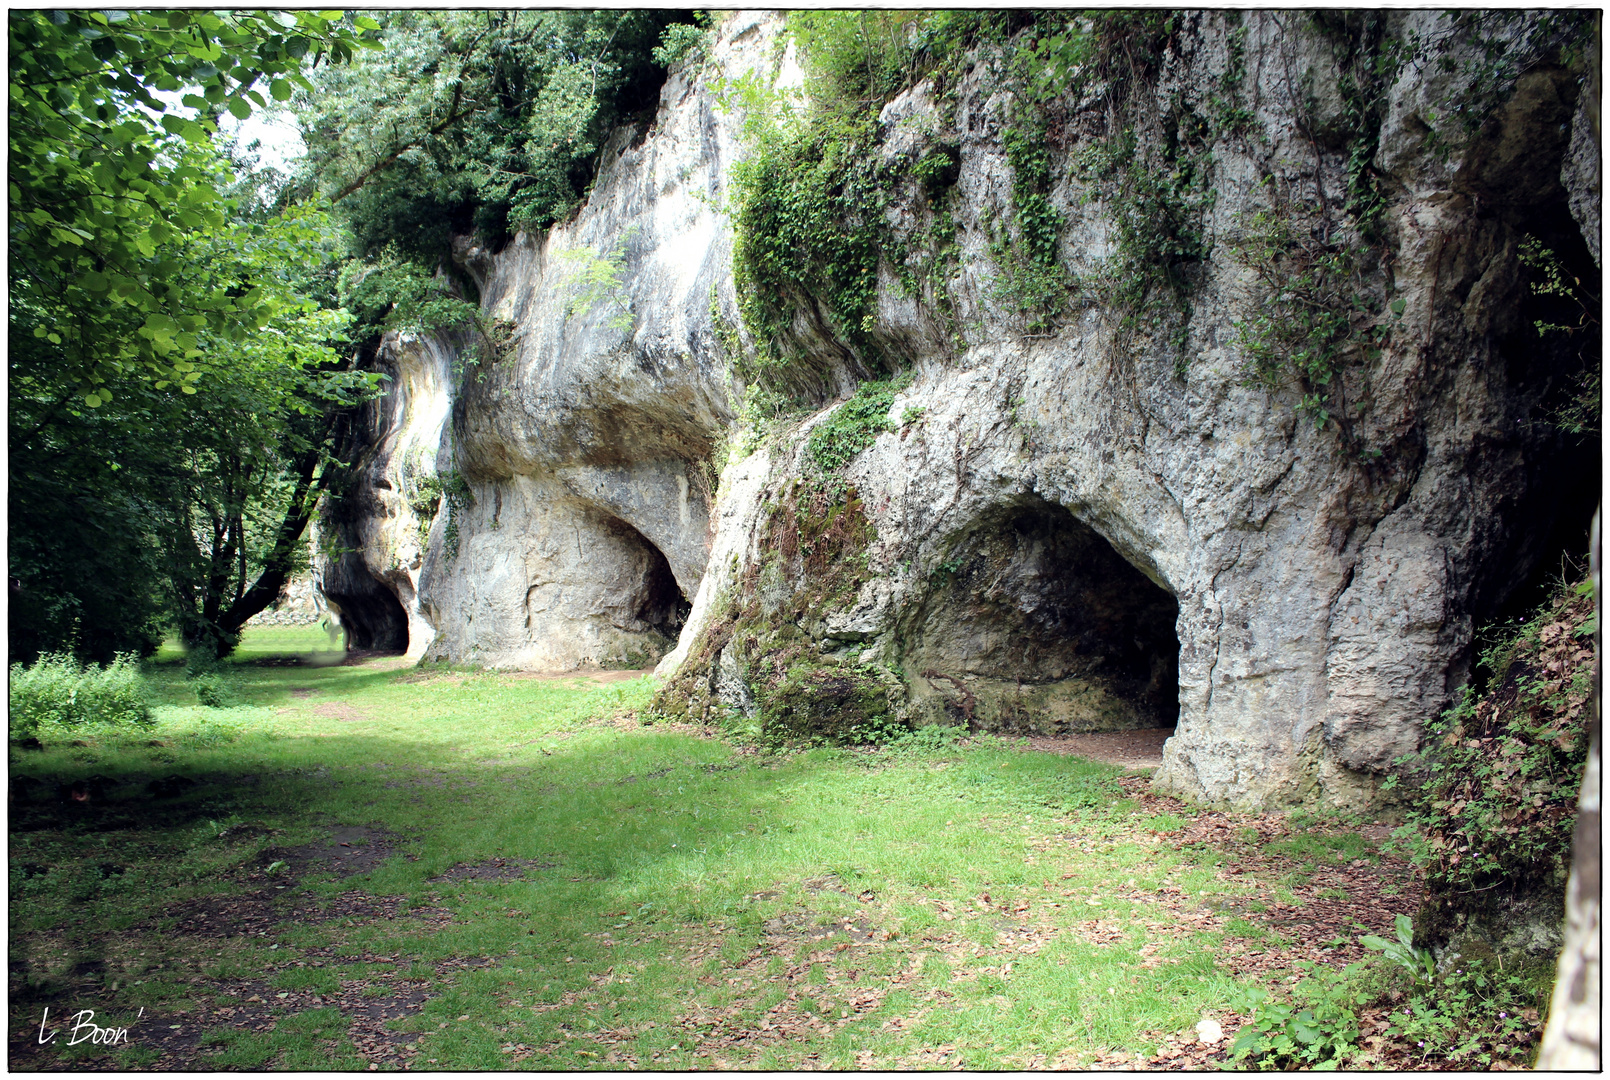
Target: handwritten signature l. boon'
<point x="86" y="1030"/>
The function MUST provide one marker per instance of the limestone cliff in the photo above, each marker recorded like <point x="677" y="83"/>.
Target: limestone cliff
<point x="1072" y="522"/>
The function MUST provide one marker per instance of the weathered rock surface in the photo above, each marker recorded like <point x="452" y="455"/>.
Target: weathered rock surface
<point x="574" y="522"/>
<point x="1064" y="507"/>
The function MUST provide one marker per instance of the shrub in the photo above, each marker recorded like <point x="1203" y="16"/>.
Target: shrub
<point x="1502" y="769"/>
<point x="56" y="692"/>
<point x="210" y="690"/>
<point x="852" y="427"/>
<point x="1318" y="1028"/>
<point x="682" y="41"/>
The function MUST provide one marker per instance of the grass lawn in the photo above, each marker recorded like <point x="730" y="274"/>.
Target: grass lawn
<point x="451" y="869"/>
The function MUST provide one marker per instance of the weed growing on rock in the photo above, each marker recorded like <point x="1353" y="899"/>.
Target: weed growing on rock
<point x="853" y="426"/>
<point x="1314" y="314"/>
<point x="456" y="490"/>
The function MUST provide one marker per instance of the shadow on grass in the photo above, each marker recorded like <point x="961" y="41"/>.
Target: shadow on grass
<point x="636" y="847"/>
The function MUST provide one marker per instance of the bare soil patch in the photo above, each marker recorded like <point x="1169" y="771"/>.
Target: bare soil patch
<point x="1141" y="749"/>
<point x="353" y="849"/>
<point x="336" y="710"/>
<point x="492" y="870"/>
<point x="603" y="678"/>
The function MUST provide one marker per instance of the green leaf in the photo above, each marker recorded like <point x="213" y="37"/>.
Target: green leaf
<point x="239" y="108"/>
<point x="280" y="90"/>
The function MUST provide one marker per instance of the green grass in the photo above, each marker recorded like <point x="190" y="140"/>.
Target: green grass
<point x="689" y="902"/>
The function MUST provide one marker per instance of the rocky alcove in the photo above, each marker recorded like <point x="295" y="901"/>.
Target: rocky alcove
<point x="649" y="599"/>
<point x="1036" y="625"/>
<point x="372" y="616"/>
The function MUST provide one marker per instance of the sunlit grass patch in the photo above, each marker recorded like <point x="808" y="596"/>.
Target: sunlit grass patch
<point x="578" y="885"/>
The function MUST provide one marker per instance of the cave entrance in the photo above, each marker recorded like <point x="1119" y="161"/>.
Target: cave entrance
<point x="1036" y="625"/>
<point x="372" y="617"/>
<point x="647" y="597"/>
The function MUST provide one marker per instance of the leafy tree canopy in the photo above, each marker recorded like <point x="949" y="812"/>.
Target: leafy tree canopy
<point x="176" y="383"/>
<point x="110" y="184"/>
<point x="481" y="121"/>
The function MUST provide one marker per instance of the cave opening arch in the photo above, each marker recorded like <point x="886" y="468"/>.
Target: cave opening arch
<point x="647" y="597"/>
<point x="1034" y="624"/>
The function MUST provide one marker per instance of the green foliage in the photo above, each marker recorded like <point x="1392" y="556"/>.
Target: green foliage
<point x="590" y="279"/>
<point x="830" y="702"/>
<point x="1032" y="279"/>
<point x="474" y="120"/>
<point x="1419" y="963"/>
<point x="210" y="690"/>
<point x="857" y="58"/>
<point x="1500" y="771"/>
<point x="393" y="293"/>
<point x="1313" y="315"/>
<point x="115" y="199"/>
<point x="852" y="427"/>
<point x="1317" y="1029"/>
<point x="1157" y="209"/>
<point x="173" y="368"/>
<point x="456" y="490"/>
<point x="1485" y="52"/>
<point x="1306" y="323"/>
<point x="810" y="197"/>
<point x="808" y="222"/>
<point x="684" y="43"/>
<point x="1551" y="278"/>
<point x="1369" y="56"/>
<point x="1108" y="51"/>
<point x="55" y="694"/>
<point x="426" y="497"/>
<point x="1151" y="177"/>
<point x="1474" y="1015"/>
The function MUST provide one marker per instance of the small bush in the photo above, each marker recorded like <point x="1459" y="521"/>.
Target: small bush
<point x="56" y="692"/>
<point x="682" y="41"/>
<point x="1502" y="770"/>
<point x="852" y="427"/>
<point x="210" y="690"/>
<point x="1317" y="1029"/>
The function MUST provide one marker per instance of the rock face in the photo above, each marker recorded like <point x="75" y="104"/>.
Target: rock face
<point x="1093" y="525"/>
<point x="540" y="498"/>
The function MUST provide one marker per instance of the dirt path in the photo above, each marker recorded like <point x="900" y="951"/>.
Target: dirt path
<point x="1141" y="749"/>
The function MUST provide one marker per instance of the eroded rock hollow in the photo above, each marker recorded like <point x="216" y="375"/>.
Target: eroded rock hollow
<point x="1094" y="521"/>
